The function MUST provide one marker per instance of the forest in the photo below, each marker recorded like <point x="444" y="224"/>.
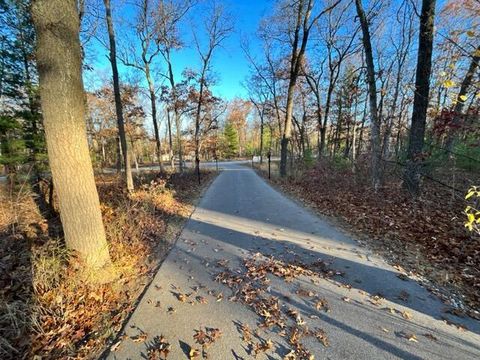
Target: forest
<point x="124" y="122"/>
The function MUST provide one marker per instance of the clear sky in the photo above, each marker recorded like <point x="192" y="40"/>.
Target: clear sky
<point x="229" y="63"/>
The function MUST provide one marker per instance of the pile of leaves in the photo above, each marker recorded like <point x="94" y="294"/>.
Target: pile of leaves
<point x="425" y="235"/>
<point x="45" y="307"/>
<point x="250" y="286"/>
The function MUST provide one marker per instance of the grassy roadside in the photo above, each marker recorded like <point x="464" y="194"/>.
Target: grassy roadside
<point x="46" y="310"/>
<point x="427" y="237"/>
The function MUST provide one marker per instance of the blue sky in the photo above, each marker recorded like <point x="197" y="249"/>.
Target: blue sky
<point x="229" y="63"/>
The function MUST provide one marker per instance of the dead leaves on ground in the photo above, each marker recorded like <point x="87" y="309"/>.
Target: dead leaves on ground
<point x="206" y="337"/>
<point x="399" y="226"/>
<point x="71" y="317"/>
<point x="159" y="349"/>
<point x="251" y="285"/>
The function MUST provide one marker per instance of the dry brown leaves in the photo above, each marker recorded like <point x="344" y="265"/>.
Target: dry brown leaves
<point x="250" y="286"/>
<point x="159" y="349"/>
<point x="55" y="314"/>
<point x="397" y="224"/>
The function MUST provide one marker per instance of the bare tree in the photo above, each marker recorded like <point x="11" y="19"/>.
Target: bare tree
<point x="146" y="32"/>
<point x="168" y="16"/>
<point x="118" y="99"/>
<point x="420" y="101"/>
<point x="268" y="76"/>
<point x="401" y="42"/>
<point x="61" y="88"/>
<point x="298" y="34"/>
<point x="372" y="89"/>
<point x="217" y="26"/>
<point x="259" y="97"/>
<point x="339" y="47"/>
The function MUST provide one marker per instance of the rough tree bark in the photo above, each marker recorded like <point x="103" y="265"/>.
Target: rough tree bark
<point x="372" y="91"/>
<point x="118" y="99"/>
<point x="62" y="97"/>
<point x="420" y="101"/>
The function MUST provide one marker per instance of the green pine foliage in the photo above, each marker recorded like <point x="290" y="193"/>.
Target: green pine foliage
<point x="21" y="133"/>
<point x="231" y="141"/>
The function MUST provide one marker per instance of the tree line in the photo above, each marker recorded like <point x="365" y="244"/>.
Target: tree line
<point x="387" y="80"/>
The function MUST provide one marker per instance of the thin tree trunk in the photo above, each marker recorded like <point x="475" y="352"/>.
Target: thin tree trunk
<point x="170" y="142"/>
<point x="62" y="95"/>
<point x="323" y="129"/>
<point x="420" y="101"/>
<point x="362" y="127"/>
<point x="176" y="113"/>
<point x="118" y="99"/>
<point x="295" y="63"/>
<point x="261" y="134"/>
<point x="119" y="154"/>
<point x="197" y="125"/>
<point x="287" y="133"/>
<point x="375" y="121"/>
<point x="151" y="90"/>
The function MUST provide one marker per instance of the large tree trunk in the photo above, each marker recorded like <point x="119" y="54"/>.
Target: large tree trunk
<point x="372" y="90"/>
<point x="118" y="99"/>
<point x="420" y="101"/>
<point x="61" y="89"/>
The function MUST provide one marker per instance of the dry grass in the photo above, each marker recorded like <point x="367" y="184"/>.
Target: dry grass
<point x="46" y="308"/>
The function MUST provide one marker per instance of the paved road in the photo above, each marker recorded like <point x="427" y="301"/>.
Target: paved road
<point x="241" y="215"/>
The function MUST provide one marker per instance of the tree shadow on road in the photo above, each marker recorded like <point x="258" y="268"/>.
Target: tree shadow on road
<point x="360" y="275"/>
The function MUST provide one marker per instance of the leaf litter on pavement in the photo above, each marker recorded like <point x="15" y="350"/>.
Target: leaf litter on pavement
<point x="251" y="285"/>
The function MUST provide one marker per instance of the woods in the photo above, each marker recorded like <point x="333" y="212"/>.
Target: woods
<point x="114" y="116"/>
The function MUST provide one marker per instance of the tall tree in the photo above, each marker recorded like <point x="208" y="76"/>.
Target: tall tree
<point x="421" y="97"/>
<point x="372" y="90"/>
<point x="169" y="14"/>
<point x="149" y="49"/>
<point x="118" y="99"/>
<point x="303" y="26"/>
<point x="62" y="99"/>
<point x="217" y="27"/>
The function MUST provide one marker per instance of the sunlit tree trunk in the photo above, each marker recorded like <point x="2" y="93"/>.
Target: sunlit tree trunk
<point x="62" y="96"/>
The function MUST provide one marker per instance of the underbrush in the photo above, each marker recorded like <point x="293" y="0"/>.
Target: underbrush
<point x="426" y="236"/>
<point x="46" y="309"/>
